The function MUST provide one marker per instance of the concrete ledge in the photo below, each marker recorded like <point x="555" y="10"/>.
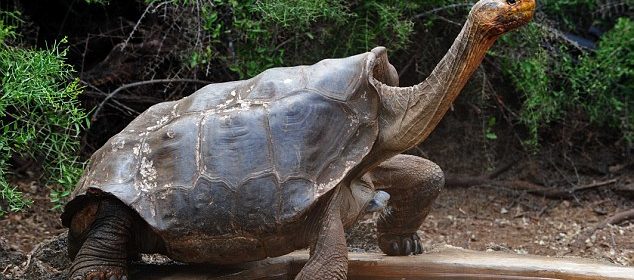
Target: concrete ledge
<point x="447" y="263"/>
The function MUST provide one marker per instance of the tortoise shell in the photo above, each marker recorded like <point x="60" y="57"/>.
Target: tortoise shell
<point x="254" y="154"/>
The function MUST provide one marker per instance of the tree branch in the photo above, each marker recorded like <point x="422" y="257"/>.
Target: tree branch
<point x="141" y="83"/>
<point x="519" y="185"/>
<point x="433" y="11"/>
<point x="617" y="218"/>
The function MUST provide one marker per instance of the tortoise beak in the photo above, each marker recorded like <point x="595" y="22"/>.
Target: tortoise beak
<point x="530" y="4"/>
<point x="518" y="16"/>
<point x="527" y="8"/>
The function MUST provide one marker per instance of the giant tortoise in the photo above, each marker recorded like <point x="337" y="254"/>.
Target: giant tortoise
<point x="241" y="171"/>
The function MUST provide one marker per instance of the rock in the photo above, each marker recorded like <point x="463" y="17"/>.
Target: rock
<point x="10" y="260"/>
<point x="49" y="260"/>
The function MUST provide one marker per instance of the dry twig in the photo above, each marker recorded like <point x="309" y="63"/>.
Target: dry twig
<point x="617" y="218"/>
<point x="519" y="185"/>
<point x="433" y="11"/>
<point x="141" y="83"/>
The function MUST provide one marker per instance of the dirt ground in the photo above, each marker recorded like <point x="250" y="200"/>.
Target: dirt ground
<point x="24" y="230"/>
<point x="492" y="219"/>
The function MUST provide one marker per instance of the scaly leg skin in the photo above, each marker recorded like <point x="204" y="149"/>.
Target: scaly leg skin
<point x="413" y="184"/>
<point x="329" y="254"/>
<point x="104" y="252"/>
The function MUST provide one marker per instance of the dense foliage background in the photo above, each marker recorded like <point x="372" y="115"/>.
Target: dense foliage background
<point x="567" y="78"/>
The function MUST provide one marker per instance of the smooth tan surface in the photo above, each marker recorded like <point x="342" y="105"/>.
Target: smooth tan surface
<point x="448" y="263"/>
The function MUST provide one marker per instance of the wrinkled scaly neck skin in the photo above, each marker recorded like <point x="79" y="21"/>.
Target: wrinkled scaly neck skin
<point x="410" y="114"/>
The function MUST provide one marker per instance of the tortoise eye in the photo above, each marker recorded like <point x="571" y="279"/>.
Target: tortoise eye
<point x="511" y="2"/>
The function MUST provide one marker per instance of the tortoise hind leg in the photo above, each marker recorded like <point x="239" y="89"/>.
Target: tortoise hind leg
<point x="413" y="184"/>
<point x="328" y="253"/>
<point x="102" y="248"/>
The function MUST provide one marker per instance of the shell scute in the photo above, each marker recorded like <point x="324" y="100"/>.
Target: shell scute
<point x="234" y="146"/>
<point x="200" y="101"/>
<point x="258" y="204"/>
<point x="173" y="153"/>
<point x="109" y="168"/>
<point x="296" y="195"/>
<point x="305" y="130"/>
<point x="342" y="85"/>
<point x="210" y="206"/>
<point x="276" y="82"/>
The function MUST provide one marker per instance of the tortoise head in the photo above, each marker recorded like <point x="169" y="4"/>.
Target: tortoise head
<point x="497" y="17"/>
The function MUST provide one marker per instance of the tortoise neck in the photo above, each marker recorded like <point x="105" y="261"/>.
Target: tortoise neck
<point x="447" y="80"/>
<point x="409" y="114"/>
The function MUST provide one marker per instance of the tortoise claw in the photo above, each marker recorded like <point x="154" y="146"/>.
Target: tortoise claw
<point x="407" y="246"/>
<point x="400" y="244"/>
<point x="394" y="247"/>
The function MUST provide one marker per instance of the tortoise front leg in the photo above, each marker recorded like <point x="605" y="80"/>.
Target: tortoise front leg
<point x="413" y="184"/>
<point x="104" y="252"/>
<point x="329" y="254"/>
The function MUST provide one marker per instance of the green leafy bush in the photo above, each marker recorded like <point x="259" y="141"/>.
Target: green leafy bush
<point x="561" y="11"/>
<point x="603" y="83"/>
<point x="40" y="117"/>
<point x="555" y="84"/>
<point x="556" y="80"/>
<point x="252" y="36"/>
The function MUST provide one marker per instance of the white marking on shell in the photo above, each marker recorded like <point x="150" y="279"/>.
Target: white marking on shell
<point x="163" y="195"/>
<point x="228" y="110"/>
<point x="353" y="121"/>
<point x="147" y="169"/>
<point x="117" y="144"/>
<point x="148" y="175"/>
<point x="233" y="93"/>
<point x="153" y="209"/>
<point x="288" y="81"/>
<point x="145" y="148"/>
<point x="244" y="104"/>
<point x="170" y="133"/>
<point x="174" y="114"/>
<point x="198" y="141"/>
<point x="159" y="123"/>
<point x="323" y="188"/>
<point x="136" y="150"/>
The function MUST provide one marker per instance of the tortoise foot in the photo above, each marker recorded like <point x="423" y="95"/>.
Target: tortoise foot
<point x="400" y="244"/>
<point x="100" y="273"/>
